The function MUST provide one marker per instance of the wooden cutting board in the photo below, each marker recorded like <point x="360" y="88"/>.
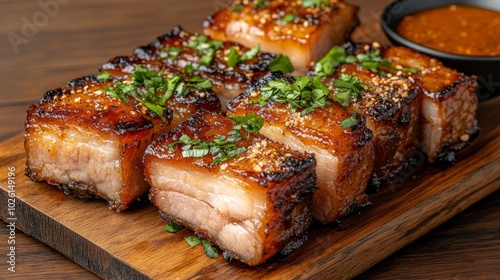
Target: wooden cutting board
<point x="132" y="245"/>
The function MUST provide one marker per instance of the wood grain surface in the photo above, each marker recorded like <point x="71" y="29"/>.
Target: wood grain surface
<point x="84" y="34"/>
<point x="132" y="244"/>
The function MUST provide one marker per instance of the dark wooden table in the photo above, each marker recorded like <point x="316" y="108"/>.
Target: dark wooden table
<point x="42" y="47"/>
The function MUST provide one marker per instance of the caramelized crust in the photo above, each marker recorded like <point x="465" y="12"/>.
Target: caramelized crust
<point x="182" y="107"/>
<point x="447" y="100"/>
<point x="91" y="144"/>
<point x="391" y="110"/>
<point x="305" y="38"/>
<point x="76" y="136"/>
<point x="345" y="157"/>
<point x="251" y="205"/>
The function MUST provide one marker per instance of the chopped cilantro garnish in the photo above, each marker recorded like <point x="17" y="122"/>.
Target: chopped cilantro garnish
<point x="238" y="7"/>
<point x="170" y="52"/>
<point x="261" y="4"/>
<point x="192" y="241"/>
<point x="172" y="227"/>
<point x="350" y="121"/>
<point x="306" y="93"/>
<point x="250" y="53"/>
<point x="205" y="48"/>
<point x="348" y="88"/>
<point x="372" y="61"/>
<point x="198" y="83"/>
<point x="103" y="76"/>
<point x="223" y="147"/>
<point x="315" y="3"/>
<point x="326" y="66"/>
<point x="281" y="63"/>
<point x="209" y="249"/>
<point x="288" y="18"/>
<point x="153" y="90"/>
<point x="190" y="69"/>
<point x="234" y="58"/>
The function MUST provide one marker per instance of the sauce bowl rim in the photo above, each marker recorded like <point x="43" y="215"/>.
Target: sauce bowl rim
<point x="389" y="22"/>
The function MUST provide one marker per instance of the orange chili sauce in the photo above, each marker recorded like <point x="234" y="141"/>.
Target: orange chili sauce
<point x="455" y="29"/>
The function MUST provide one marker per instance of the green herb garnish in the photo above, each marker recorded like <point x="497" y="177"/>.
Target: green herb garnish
<point x="288" y="18"/>
<point x="198" y="83"/>
<point x="306" y="93"/>
<point x="233" y="58"/>
<point x="172" y="227"/>
<point x="223" y="147"/>
<point x="281" y="63"/>
<point x="315" y="3"/>
<point x="193" y="241"/>
<point x="349" y="87"/>
<point x="238" y="8"/>
<point x="372" y="61"/>
<point x="170" y="52"/>
<point x="208" y="247"/>
<point x="261" y="4"/>
<point x="190" y="69"/>
<point x="326" y="66"/>
<point x="205" y="48"/>
<point x="350" y="121"/>
<point x="153" y="90"/>
<point x="103" y="76"/>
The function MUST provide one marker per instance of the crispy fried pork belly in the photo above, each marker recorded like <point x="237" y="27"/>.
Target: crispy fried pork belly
<point x="391" y="112"/>
<point x="190" y="52"/>
<point x="182" y="107"/>
<point x="448" y="104"/>
<point x="344" y="156"/>
<point x="447" y="100"/>
<point x="251" y="205"/>
<point x="304" y="34"/>
<point x="90" y="144"/>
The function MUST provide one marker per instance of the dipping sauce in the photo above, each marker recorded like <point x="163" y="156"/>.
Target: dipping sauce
<point x="455" y="29"/>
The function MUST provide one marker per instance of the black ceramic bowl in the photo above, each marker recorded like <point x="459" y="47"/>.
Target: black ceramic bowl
<point x="486" y="68"/>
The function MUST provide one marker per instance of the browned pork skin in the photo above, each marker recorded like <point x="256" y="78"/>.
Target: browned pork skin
<point x="345" y="157"/>
<point x="303" y="34"/>
<point x="90" y="144"/>
<point x="390" y="108"/>
<point x="447" y="100"/>
<point x="251" y="205"/>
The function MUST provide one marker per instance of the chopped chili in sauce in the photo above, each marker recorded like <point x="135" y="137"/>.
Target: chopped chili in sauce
<point x="455" y="29"/>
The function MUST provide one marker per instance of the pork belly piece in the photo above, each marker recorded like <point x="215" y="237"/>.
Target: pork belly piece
<point x="88" y="138"/>
<point x="448" y="104"/>
<point x="446" y="99"/>
<point x="294" y="28"/>
<point x="344" y="155"/>
<point x="182" y="105"/>
<point x="230" y="66"/>
<point x="251" y="205"/>
<point x="390" y="108"/>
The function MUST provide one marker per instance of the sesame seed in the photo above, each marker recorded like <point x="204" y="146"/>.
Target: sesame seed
<point x="464" y="137"/>
<point x="223" y="166"/>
